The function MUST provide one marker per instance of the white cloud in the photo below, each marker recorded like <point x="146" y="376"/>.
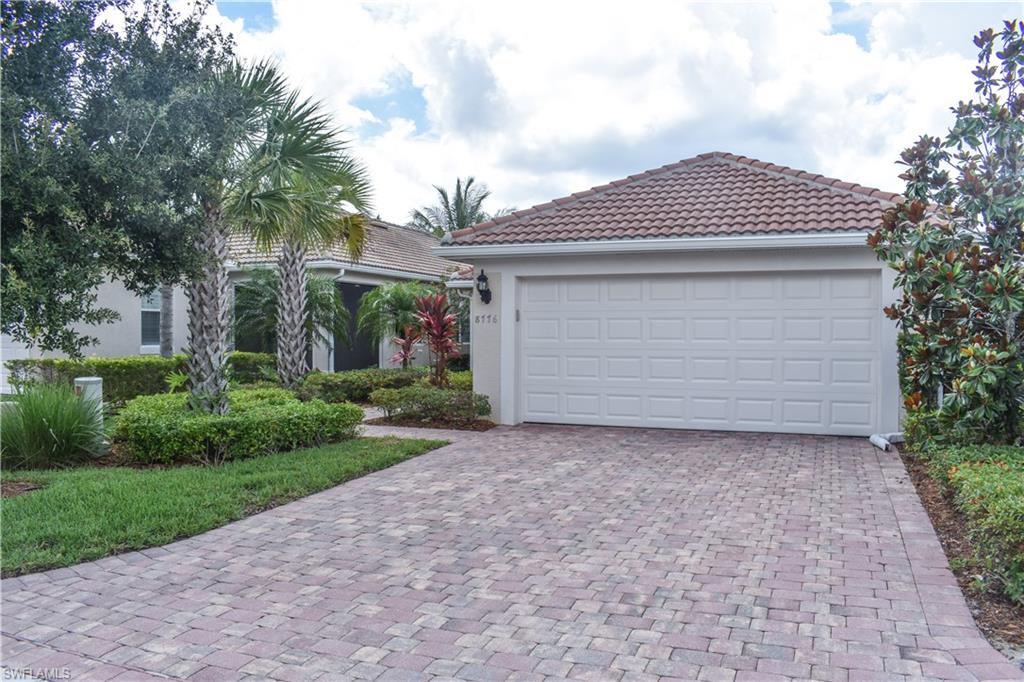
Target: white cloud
<point x="539" y="99"/>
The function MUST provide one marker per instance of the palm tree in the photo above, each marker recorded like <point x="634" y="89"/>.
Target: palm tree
<point x="256" y="303"/>
<point x="283" y="177"/>
<point x="454" y="212"/>
<point x="330" y="193"/>
<point x="166" y="320"/>
<point x="230" y="113"/>
<point x="389" y="311"/>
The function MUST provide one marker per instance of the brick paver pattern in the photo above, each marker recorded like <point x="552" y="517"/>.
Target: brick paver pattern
<point x="538" y="552"/>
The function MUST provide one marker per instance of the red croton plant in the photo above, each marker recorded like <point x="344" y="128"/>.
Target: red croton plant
<point x="406" y="344"/>
<point x="438" y="325"/>
<point x="956" y="242"/>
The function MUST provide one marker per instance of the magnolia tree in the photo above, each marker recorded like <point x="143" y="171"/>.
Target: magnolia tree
<point x="956" y="243"/>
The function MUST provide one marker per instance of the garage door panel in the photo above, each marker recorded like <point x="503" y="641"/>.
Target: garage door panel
<point x="833" y="372"/>
<point x="792" y="352"/>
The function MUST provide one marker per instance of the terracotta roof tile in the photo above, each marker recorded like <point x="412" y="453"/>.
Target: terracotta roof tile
<point x="388" y="246"/>
<point x="711" y="194"/>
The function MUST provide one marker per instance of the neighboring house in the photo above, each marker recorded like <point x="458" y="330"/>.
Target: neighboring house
<point x="719" y="293"/>
<point x="392" y="253"/>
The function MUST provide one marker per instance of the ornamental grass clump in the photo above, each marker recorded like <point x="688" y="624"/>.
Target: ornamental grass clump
<point x="49" y="426"/>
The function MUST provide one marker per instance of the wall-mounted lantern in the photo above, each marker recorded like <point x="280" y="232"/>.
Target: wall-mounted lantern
<point x="483" y="288"/>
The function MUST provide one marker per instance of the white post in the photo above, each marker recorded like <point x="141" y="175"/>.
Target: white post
<point x="90" y="387"/>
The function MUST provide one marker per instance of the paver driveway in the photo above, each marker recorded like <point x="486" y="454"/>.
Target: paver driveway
<point x="536" y="552"/>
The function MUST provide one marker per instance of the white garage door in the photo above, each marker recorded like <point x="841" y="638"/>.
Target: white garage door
<point x="792" y="353"/>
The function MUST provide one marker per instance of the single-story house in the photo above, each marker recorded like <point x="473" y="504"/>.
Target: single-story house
<point x="392" y="252"/>
<point x="719" y="292"/>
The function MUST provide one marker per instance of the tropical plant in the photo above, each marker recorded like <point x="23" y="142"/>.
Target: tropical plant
<point x="406" y="345"/>
<point x="389" y="312"/>
<point x="956" y="243"/>
<point x="282" y="175"/>
<point x="256" y="308"/>
<point x="439" y="326"/>
<point x="96" y="180"/>
<point x="50" y="426"/>
<point x="328" y="191"/>
<point x="462" y="208"/>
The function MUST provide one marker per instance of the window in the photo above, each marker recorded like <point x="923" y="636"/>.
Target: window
<point x="151" y="319"/>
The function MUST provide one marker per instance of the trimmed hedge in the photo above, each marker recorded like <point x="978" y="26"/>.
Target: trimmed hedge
<point x="127" y="377"/>
<point x="425" y="403"/>
<point x="252" y="368"/>
<point x="987" y="484"/>
<point x="160" y="429"/>
<point x="355" y="385"/>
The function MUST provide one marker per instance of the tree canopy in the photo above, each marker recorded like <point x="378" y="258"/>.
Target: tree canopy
<point x="99" y="174"/>
<point x="957" y="244"/>
<point x="460" y="209"/>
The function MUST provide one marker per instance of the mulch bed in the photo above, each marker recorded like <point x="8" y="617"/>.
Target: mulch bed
<point x="13" y="488"/>
<point x="478" y="425"/>
<point x="1000" y="619"/>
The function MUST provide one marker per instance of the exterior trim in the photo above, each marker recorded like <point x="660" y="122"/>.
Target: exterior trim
<point x="347" y="267"/>
<point x="617" y="246"/>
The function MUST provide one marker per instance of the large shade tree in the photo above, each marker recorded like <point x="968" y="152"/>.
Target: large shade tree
<point x="956" y="242"/>
<point x="96" y="181"/>
<point x="460" y="209"/>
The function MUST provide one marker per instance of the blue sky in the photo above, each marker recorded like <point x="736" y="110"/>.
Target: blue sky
<point x="539" y="99"/>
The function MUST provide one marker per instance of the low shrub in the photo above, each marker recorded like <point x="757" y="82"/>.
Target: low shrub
<point x="128" y="377"/>
<point x="943" y="461"/>
<point x="458" y="381"/>
<point x="426" y="403"/>
<point x="991" y="496"/>
<point x="355" y="385"/>
<point x="50" y="426"/>
<point x="461" y="380"/>
<point x="160" y="429"/>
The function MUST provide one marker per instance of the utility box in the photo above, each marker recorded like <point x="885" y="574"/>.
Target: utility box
<point x="90" y="387"/>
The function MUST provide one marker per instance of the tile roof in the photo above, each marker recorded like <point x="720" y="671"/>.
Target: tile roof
<point x="388" y="246"/>
<point x="714" y="194"/>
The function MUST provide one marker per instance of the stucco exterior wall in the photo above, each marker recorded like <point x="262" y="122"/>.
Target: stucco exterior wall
<point x="486" y="345"/>
<point x="495" y="328"/>
<point x="124" y="336"/>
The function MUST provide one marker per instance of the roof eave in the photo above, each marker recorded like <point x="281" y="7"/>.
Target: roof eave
<point x="774" y="241"/>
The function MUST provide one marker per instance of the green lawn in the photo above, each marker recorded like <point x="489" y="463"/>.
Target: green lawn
<point x="87" y="513"/>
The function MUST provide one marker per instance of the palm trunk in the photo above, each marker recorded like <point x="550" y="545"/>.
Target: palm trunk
<point x="208" y="319"/>
<point x="166" y="320"/>
<point x="291" y="314"/>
